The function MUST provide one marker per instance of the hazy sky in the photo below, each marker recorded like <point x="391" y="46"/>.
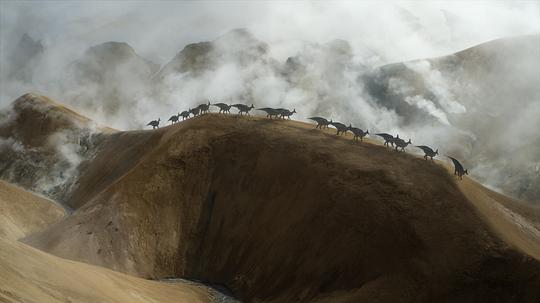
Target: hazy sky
<point x="393" y="30"/>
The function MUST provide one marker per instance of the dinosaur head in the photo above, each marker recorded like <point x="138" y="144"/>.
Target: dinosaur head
<point x="252" y="106"/>
<point x="350" y="125"/>
<point x="437" y="151"/>
<point x="467" y="173"/>
<point x="367" y="131"/>
<point x="159" y="119"/>
<point x="331" y="121"/>
<point x="409" y="142"/>
<point x="397" y="136"/>
<point x="294" y="111"/>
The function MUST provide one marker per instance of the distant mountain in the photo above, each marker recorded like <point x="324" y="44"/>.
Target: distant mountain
<point x="23" y="58"/>
<point x="491" y="92"/>
<point x="109" y="60"/>
<point x="320" y="71"/>
<point x="112" y="73"/>
<point x="477" y="77"/>
<point x="238" y="46"/>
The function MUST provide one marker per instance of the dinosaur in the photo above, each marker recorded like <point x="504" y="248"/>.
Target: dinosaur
<point x="223" y="108"/>
<point x="458" y="168"/>
<point x="280" y="111"/>
<point x="174" y="118"/>
<point x="428" y="151"/>
<point x="341" y="128"/>
<point x="185" y="114"/>
<point x="287" y="113"/>
<point x="204" y="108"/>
<point x="321" y="122"/>
<point x="154" y="123"/>
<point x="242" y="108"/>
<point x="388" y="139"/>
<point x="195" y="111"/>
<point x="270" y="112"/>
<point x="400" y="143"/>
<point x="358" y="133"/>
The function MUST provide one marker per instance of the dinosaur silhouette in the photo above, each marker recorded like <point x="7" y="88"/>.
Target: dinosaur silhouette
<point x="458" y="168"/>
<point x="204" y="108"/>
<point x="400" y="143"/>
<point x="223" y="108"/>
<point x="287" y="113"/>
<point x="185" y="114"/>
<point x="321" y="122"/>
<point x="428" y="152"/>
<point x="174" y="118"/>
<point x="280" y="111"/>
<point x="340" y="127"/>
<point x="242" y="108"/>
<point x="358" y="133"/>
<point x="270" y="112"/>
<point x="154" y="123"/>
<point x="388" y="139"/>
<point x="195" y="111"/>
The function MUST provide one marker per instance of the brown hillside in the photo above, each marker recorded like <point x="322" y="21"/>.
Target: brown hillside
<point x="281" y="212"/>
<point x="29" y="275"/>
<point x="23" y="213"/>
<point x="42" y="144"/>
<point x="34" y="118"/>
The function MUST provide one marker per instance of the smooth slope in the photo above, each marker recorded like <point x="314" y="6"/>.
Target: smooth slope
<point x="23" y="213"/>
<point x="29" y="275"/>
<point x="281" y="212"/>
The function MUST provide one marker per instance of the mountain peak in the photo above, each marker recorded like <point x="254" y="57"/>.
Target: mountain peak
<point x="237" y="33"/>
<point x="112" y="48"/>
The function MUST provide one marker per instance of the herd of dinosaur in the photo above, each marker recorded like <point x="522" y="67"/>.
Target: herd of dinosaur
<point x="282" y="113"/>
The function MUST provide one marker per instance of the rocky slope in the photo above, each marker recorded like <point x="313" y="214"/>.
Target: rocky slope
<point x="43" y="144"/>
